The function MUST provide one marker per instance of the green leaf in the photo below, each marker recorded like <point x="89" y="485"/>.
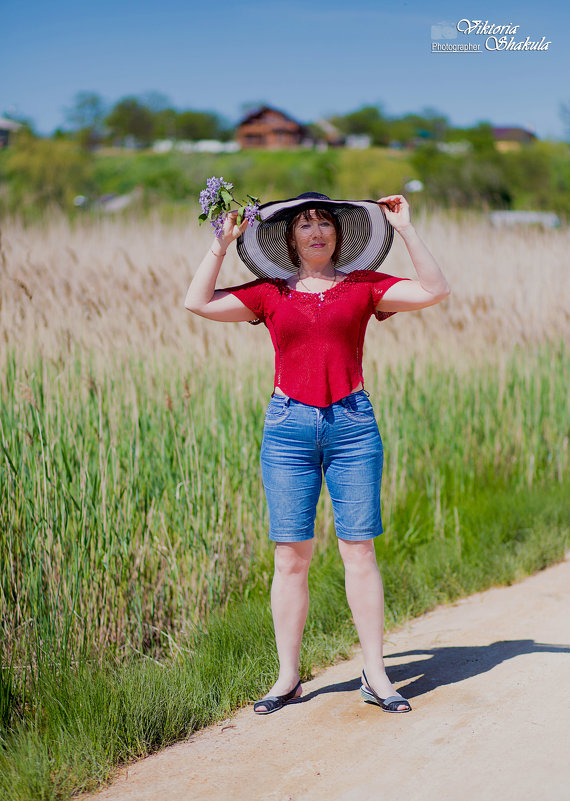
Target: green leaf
<point x="226" y="196"/>
<point x="239" y="218"/>
<point x="203" y="218"/>
<point x="253" y="199"/>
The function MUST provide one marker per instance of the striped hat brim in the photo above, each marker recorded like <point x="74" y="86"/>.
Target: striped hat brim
<point x="367" y="235"/>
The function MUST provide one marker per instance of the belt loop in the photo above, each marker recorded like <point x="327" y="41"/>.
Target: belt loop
<point x="366" y="392"/>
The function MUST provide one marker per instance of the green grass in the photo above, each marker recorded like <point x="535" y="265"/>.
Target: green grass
<point x="97" y="716"/>
<point x="134" y="565"/>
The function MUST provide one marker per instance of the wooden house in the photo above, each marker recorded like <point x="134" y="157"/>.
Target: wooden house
<point x="512" y="138"/>
<point x="269" y="129"/>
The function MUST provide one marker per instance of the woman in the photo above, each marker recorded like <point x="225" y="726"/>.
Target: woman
<point x="317" y="289"/>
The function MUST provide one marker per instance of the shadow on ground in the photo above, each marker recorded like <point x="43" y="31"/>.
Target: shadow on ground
<point x="446" y="665"/>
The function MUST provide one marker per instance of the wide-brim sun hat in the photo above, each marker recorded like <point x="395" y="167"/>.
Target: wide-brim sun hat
<point x="367" y="235"/>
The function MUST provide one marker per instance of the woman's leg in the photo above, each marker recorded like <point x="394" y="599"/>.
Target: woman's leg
<point x="365" y="595"/>
<point x="292" y="479"/>
<point x="289" y="605"/>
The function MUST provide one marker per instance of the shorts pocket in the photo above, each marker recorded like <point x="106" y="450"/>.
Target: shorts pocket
<point x="277" y="411"/>
<point x="357" y="407"/>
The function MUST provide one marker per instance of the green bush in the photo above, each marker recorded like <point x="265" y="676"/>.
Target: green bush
<point x="45" y="172"/>
<point x="536" y="177"/>
<point x="371" y="173"/>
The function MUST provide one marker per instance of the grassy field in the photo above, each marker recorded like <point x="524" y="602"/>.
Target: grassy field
<point x="40" y="173"/>
<point x="134" y="564"/>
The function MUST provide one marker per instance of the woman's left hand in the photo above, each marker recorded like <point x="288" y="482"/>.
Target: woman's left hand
<point x="397" y="210"/>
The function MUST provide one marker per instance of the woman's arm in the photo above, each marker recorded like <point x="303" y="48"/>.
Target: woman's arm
<point x="202" y="297"/>
<point x="431" y="288"/>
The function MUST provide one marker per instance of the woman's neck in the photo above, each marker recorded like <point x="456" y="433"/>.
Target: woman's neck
<point x="327" y="271"/>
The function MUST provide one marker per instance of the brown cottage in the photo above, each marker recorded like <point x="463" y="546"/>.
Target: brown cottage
<point x="269" y="129"/>
<point x="512" y="138"/>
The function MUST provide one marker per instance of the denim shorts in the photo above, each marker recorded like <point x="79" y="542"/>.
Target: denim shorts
<point x="302" y="442"/>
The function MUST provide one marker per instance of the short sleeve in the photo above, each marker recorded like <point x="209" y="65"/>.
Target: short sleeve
<point x="380" y="283"/>
<point x="252" y="295"/>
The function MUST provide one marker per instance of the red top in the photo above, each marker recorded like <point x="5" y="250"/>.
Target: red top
<point x="318" y="337"/>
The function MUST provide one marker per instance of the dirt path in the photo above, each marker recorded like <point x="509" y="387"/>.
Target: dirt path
<point x="489" y="682"/>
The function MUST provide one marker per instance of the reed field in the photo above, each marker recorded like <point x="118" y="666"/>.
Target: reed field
<point x="134" y="561"/>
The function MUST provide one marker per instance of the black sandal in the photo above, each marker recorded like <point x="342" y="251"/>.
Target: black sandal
<point x="390" y="704"/>
<point x="275" y="702"/>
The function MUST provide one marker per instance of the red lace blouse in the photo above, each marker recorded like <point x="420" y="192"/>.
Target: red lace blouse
<point x="318" y="337"/>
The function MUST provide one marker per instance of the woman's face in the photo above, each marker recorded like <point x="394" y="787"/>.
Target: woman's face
<point x="315" y="238"/>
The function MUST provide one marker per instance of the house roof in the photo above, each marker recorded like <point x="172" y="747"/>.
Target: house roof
<point x="514" y="132"/>
<point x="9" y="125"/>
<point x="257" y="112"/>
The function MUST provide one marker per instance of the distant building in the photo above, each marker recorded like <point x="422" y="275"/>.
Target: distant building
<point x="358" y="141"/>
<point x="201" y="146"/>
<point x="7" y="128"/>
<point x="547" y="219"/>
<point x="458" y="148"/>
<point x="512" y="138"/>
<point x="269" y="129"/>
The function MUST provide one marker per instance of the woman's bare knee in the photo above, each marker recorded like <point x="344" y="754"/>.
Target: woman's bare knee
<point x="357" y="554"/>
<point x="293" y="557"/>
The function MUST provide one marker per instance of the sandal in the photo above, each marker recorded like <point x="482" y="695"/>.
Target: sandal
<point x="274" y="702"/>
<point x="390" y="704"/>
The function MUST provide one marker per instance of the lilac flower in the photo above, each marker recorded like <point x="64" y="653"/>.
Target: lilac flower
<point x="205" y="201"/>
<point x="250" y="212"/>
<point x="211" y="194"/>
<point x="216" y="200"/>
<point x="218" y="225"/>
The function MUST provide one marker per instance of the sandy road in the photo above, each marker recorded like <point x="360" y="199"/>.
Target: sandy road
<point x="489" y="681"/>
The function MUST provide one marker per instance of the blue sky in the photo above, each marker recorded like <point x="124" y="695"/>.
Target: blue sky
<point x="308" y="59"/>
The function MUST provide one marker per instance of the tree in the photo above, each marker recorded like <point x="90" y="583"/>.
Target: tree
<point x="196" y="125"/>
<point x="86" y="117"/>
<point x="428" y="125"/>
<point x="435" y="122"/>
<point x="367" y="120"/>
<point x="129" y="117"/>
<point x="165" y="124"/>
<point x="481" y="137"/>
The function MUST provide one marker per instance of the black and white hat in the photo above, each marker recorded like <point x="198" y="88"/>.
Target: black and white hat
<point x="366" y="235"/>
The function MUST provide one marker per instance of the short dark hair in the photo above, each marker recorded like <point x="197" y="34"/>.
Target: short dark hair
<point x="321" y="214"/>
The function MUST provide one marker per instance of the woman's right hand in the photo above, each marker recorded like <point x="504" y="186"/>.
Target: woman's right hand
<point x="230" y="231"/>
<point x="202" y="297"/>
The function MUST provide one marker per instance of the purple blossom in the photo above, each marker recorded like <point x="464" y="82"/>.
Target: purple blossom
<point x="211" y="196"/>
<point x="204" y="201"/>
<point x="250" y="212"/>
<point x="218" y="225"/>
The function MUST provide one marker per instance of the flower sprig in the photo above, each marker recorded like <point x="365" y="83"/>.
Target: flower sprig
<point x="216" y="201"/>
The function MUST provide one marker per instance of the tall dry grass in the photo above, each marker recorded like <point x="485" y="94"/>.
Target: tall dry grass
<point x="118" y="285"/>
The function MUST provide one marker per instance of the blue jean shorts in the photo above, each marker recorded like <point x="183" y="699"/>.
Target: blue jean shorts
<point x="302" y="442"/>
